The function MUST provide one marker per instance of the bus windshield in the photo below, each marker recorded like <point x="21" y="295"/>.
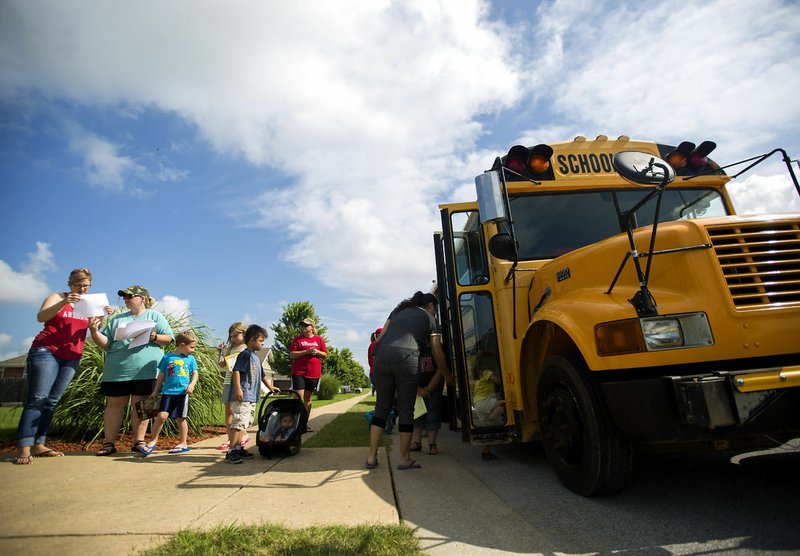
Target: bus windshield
<point x="549" y="225"/>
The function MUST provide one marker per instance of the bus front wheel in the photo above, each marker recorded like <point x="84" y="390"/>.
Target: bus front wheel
<point x="584" y="447"/>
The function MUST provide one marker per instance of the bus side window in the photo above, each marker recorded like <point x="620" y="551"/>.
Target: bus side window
<point x="468" y="246"/>
<point x="482" y="360"/>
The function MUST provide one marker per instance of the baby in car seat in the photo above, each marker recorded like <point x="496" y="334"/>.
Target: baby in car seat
<point x="285" y="428"/>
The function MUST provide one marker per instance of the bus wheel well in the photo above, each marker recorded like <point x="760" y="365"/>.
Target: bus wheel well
<point x="543" y="340"/>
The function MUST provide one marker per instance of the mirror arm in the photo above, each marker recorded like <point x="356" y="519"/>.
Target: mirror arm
<point x="511" y="272"/>
<point x="656" y="215"/>
<point x="643" y="300"/>
<point x="758" y="160"/>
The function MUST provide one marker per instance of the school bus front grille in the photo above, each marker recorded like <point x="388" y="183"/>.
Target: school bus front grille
<point x="760" y="262"/>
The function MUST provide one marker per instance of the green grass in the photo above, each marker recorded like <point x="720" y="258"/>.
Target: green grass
<point x="9" y="419"/>
<point x="267" y="540"/>
<point x="347" y="430"/>
<point x="9" y="416"/>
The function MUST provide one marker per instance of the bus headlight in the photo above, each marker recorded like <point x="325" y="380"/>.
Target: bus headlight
<point x="676" y="331"/>
<point x="653" y="334"/>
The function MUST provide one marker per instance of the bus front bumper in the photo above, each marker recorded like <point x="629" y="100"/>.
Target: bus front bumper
<point x="725" y="408"/>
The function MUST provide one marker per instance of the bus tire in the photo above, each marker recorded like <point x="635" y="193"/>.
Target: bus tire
<point x="588" y="453"/>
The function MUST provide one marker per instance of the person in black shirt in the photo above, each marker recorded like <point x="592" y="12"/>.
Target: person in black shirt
<point x="408" y="329"/>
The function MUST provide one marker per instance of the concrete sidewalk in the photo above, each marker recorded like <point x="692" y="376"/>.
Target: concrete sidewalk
<point x="121" y="504"/>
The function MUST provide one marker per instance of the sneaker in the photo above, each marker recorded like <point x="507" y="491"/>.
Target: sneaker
<point x="233" y="457"/>
<point x="243" y="454"/>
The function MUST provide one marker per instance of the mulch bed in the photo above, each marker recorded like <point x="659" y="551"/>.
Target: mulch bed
<point x="124" y="442"/>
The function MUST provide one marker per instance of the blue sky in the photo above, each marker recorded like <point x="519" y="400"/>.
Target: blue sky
<point x="237" y="158"/>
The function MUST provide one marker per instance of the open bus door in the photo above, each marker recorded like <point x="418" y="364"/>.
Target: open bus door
<point x="467" y="317"/>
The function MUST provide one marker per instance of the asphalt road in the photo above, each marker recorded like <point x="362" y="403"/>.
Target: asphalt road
<point x="676" y="504"/>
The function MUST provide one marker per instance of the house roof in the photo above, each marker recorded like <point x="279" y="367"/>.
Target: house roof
<point x="18" y="361"/>
<point x="264" y="356"/>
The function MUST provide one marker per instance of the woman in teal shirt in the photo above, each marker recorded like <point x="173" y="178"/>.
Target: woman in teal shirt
<point x="129" y="374"/>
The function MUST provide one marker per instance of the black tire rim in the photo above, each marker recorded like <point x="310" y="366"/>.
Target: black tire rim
<point x="562" y="427"/>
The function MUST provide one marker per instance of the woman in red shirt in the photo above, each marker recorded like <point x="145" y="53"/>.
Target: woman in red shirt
<point x="307" y="352"/>
<point x="51" y="364"/>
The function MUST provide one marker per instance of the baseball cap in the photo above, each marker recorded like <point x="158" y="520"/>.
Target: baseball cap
<point x="134" y="290"/>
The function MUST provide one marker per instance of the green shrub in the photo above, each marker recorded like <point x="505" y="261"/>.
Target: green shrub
<point x="79" y="414"/>
<point x="328" y="387"/>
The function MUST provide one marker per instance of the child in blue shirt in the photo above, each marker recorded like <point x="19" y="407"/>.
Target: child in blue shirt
<point x="246" y="378"/>
<point x="177" y="376"/>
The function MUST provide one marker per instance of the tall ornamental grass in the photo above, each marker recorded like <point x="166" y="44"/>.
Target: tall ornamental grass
<point x="329" y="386"/>
<point x="79" y="415"/>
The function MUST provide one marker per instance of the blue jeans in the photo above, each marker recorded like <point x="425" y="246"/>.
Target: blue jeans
<point x="48" y="377"/>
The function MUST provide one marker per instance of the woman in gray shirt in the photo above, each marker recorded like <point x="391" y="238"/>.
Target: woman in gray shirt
<point x="406" y="332"/>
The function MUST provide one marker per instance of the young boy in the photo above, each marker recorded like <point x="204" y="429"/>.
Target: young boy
<point x="177" y="376"/>
<point x="246" y="376"/>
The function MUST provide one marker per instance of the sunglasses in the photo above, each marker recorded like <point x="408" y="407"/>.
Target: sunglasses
<point x="304" y="325"/>
<point x="129" y="296"/>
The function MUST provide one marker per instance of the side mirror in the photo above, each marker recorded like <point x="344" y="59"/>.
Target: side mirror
<point x="503" y="246"/>
<point x="490" y="197"/>
<point x="642" y="168"/>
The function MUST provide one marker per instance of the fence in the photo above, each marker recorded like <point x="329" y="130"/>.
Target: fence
<point x="12" y="390"/>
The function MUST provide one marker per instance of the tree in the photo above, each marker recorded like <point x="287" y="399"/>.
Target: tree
<point x="343" y="366"/>
<point x="287" y="329"/>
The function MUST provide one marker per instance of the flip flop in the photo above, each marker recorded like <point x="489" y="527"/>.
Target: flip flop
<point x="245" y="442"/>
<point x="179" y="450"/>
<point x="412" y="465"/>
<point x="369" y="465"/>
<point x="224" y="447"/>
<point x="144" y="449"/>
<point x="49" y="453"/>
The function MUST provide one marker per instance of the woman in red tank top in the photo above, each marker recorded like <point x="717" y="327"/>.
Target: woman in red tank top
<point x="51" y="364"/>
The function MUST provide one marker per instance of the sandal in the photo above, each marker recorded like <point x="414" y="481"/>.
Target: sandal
<point x="416" y="447"/>
<point x="23" y="460"/>
<point x="432" y="449"/>
<point x="141" y="447"/>
<point x="224" y="447"/>
<point x="49" y="453"/>
<point x="107" y="449"/>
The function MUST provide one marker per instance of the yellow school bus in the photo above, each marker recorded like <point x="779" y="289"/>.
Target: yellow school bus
<point x="602" y="296"/>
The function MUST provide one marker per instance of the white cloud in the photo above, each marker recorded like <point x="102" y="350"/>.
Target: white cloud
<point x="105" y="167"/>
<point x="373" y="117"/>
<point x="108" y="169"/>
<point x="366" y="112"/>
<point x="40" y="261"/>
<point x="28" y="285"/>
<point x="174" y="306"/>
<point x="760" y="194"/>
<point x="7" y="349"/>
<point x="720" y="70"/>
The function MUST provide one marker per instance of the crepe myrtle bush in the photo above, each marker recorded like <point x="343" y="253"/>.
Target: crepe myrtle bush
<point x="79" y="414"/>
